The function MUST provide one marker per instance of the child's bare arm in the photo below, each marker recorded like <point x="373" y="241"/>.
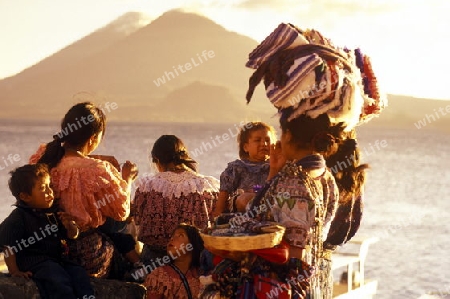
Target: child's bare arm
<point x="10" y="260"/>
<point x="221" y="203"/>
<point x="242" y="200"/>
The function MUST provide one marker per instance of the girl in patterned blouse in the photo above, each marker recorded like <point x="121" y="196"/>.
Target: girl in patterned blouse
<point x="251" y="169"/>
<point x="176" y="194"/>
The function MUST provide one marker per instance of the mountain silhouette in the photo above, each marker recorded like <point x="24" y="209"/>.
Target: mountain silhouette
<point x="91" y="44"/>
<point x="194" y="103"/>
<point x="126" y="69"/>
<point x="414" y="113"/>
<point x="34" y="93"/>
<point x="180" y="67"/>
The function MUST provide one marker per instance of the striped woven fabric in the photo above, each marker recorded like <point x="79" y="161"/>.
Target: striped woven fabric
<point x="283" y="37"/>
<point x="321" y="78"/>
<point x="299" y="71"/>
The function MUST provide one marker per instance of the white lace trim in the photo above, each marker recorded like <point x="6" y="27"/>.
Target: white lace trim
<point x="174" y="184"/>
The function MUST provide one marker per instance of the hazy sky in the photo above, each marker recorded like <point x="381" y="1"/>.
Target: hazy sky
<point x="406" y="39"/>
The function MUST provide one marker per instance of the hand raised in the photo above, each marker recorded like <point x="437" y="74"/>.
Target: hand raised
<point x="277" y="159"/>
<point x="129" y="171"/>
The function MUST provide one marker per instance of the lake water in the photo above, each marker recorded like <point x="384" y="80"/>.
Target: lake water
<point x="407" y="199"/>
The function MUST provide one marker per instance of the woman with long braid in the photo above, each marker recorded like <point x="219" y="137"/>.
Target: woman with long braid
<point x="350" y="177"/>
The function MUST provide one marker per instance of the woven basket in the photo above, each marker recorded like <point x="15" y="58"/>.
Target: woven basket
<point x="245" y="243"/>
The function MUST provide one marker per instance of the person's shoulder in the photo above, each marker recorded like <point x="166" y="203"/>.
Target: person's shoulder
<point x="157" y="182"/>
<point x="83" y="162"/>
<point x="234" y="166"/>
<point x="200" y="176"/>
<point x="15" y="216"/>
<point x="159" y="270"/>
<point x="235" y="163"/>
<point x="149" y="178"/>
<point x="19" y="211"/>
<point x="98" y="164"/>
<point x="98" y="167"/>
<point x="327" y="174"/>
<point x="159" y="273"/>
<point x="206" y="181"/>
<point x="69" y="165"/>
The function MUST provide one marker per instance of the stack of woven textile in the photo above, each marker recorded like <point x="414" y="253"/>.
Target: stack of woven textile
<point x="317" y="77"/>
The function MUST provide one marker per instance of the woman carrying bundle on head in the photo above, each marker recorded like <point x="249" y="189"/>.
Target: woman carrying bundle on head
<point x="321" y="93"/>
<point x="310" y="80"/>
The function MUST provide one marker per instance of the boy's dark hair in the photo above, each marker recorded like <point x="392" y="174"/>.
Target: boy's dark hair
<point x="23" y="178"/>
<point x="246" y="130"/>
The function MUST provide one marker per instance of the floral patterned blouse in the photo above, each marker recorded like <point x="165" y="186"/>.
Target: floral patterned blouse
<point x="243" y="174"/>
<point x="164" y="282"/>
<point x="167" y="199"/>
<point x="89" y="189"/>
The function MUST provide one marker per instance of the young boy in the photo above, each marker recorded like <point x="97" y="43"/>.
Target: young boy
<point x="32" y="237"/>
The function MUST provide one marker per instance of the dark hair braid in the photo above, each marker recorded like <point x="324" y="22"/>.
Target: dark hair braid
<point x="345" y="165"/>
<point x="80" y="123"/>
<point x="170" y="149"/>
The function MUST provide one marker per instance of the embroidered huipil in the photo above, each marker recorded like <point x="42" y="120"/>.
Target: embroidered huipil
<point x="165" y="283"/>
<point x="303" y="198"/>
<point x="89" y="189"/>
<point x="167" y="199"/>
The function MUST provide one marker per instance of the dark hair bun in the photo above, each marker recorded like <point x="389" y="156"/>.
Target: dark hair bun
<point x="324" y="143"/>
